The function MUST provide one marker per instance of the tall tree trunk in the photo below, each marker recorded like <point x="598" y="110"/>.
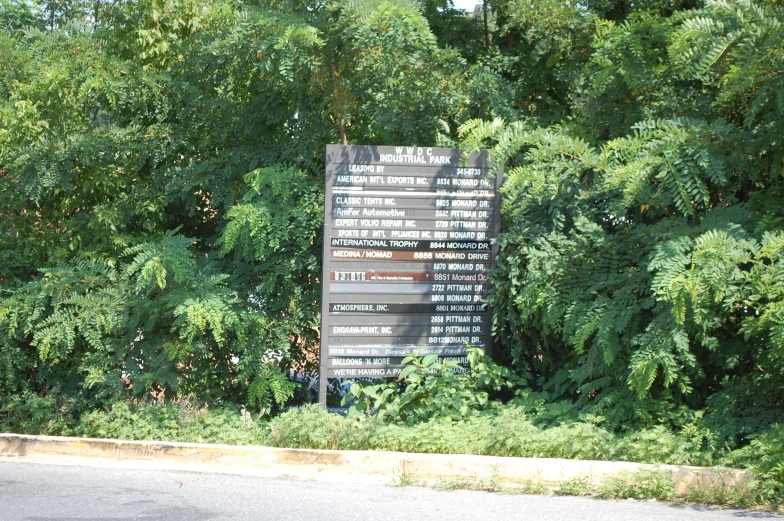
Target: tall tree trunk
<point x="339" y="104"/>
<point x="487" y="32"/>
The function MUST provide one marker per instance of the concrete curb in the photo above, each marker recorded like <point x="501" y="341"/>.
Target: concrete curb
<point x="391" y="465"/>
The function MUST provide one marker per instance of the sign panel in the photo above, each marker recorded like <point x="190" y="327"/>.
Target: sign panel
<point x="407" y="244"/>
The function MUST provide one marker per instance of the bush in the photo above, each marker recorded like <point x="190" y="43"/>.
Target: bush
<point x="311" y="427"/>
<point x="29" y="413"/>
<point x="185" y="421"/>
<point x="434" y="388"/>
<point x="764" y="456"/>
<point x="644" y="484"/>
<point x="509" y="432"/>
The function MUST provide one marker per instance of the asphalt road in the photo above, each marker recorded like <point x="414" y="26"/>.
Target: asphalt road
<point x="38" y="492"/>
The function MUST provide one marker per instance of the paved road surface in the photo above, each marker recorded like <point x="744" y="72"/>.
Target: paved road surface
<point x="39" y="492"/>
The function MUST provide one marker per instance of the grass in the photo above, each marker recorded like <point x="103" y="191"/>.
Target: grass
<point x="402" y="478"/>
<point x="490" y="484"/>
<point x="643" y="485"/>
<point x="721" y="491"/>
<point x="577" y="486"/>
<point x="509" y="432"/>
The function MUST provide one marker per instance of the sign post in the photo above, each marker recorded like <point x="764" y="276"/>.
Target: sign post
<point x="407" y="245"/>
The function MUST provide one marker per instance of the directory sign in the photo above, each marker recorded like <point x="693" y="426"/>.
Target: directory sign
<point x="407" y="247"/>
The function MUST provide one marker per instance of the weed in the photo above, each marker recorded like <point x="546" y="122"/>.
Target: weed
<point x="577" y="486"/>
<point x="722" y="488"/>
<point x="401" y="477"/>
<point x="532" y="487"/>
<point x="470" y="483"/>
<point x="187" y="421"/>
<point x="508" y="431"/>
<point x="643" y="484"/>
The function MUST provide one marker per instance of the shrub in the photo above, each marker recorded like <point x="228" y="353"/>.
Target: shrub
<point x="509" y="432"/>
<point x="643" y="484"/>
<point x="186" y="421"/>
<point x="764" y="457"/>
<point x="29" y="413"/>
<point x="311" y="427"/>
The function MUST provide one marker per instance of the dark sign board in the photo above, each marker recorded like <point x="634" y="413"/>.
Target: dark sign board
<point x="407" y="244"/>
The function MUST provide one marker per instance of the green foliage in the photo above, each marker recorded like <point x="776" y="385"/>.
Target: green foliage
<point x="641" y="247"/>
<point x="271" y="385"/>
<point x="310" y="427"/>
<point x="31" y="414"/>
<point x="161" y="170"/>
<point x="509" y="432"/>
<point x="433" y="389"/>
<point x="18" y="14"/>
<point x="470" y="483"/>
<point x="150" y="29"/>
<point x="641" y="259"/>
<point x="764" y="456"/>
<point x="273" y="228"/>
<point x="578" y="486"/>
<point x="650" y="484"/>
<point x="644" y="484"/>
<point x="722" y="489"/>
<point x="161" y="204"/>
<point x="186" y="421"/>
<point x="158" y="323"/>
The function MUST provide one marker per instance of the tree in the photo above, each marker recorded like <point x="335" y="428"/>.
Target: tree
<point x="640" y="263"/>
<point x="161" y="191"/>
<point x="162" y="165"/>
